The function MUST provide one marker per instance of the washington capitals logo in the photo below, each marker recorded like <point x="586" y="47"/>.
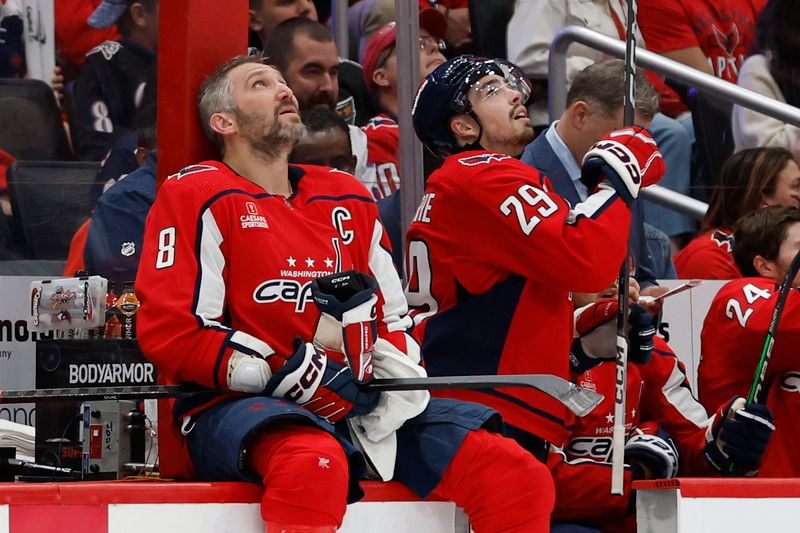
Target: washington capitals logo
<point x="192" y="169"/>
<point x="483" y="159"/>
<point x="723" y="240"/>
<point x="381" y="122"/>
<point x="727" y="41"/>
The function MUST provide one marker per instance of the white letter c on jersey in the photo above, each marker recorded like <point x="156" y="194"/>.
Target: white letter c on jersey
<point x="338" y="216"/>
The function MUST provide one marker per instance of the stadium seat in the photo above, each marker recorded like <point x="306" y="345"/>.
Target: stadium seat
<point x="50" y="199"/>
<point x="714" y="140"/>
<point x="30" y="121"/>
<point x="489" y="19"/>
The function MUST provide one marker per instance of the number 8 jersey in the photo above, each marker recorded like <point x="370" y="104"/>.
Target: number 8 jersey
<point x="492" y="256"/>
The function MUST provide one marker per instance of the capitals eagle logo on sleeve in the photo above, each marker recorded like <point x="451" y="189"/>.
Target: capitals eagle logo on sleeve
<point x="191" y="169"/>
<point x="482" y="159"/>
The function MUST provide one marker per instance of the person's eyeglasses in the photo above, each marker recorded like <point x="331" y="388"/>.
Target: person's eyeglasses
<point x="429" y="43"/>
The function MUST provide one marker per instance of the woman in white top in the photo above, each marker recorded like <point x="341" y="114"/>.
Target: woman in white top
<point x="773" y="69"/>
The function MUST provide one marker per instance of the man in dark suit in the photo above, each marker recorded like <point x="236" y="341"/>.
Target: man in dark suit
<point x="594" y="107"/>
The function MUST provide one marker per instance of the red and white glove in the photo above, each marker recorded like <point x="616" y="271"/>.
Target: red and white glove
<point x="595" y="334"/>
<point x="348" y="319"/>
<point x="628" y="158"/>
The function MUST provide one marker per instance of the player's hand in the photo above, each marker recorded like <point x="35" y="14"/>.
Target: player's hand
<point x="595" y="329"/>
<point x="321" y="385"/>
<point x="651" y="452"/>
<point x="581" y="299"/>
<point x="647" y="298"/>
<point x="347" y="324"/>
<point x="627" y="158"/>
<point x="740" y="434"/>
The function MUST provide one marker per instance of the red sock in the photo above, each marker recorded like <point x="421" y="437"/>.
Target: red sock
<point x="304" y="471"/>
<point x="499" y="485"/>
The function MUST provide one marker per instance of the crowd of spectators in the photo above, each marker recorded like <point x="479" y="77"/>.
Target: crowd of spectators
<point x="105" y="83"/>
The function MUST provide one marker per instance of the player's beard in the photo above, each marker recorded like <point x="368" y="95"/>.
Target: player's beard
<point x="278" y="139"/>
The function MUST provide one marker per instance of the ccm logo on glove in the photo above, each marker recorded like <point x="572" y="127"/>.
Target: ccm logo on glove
<point x="309" y="378"/>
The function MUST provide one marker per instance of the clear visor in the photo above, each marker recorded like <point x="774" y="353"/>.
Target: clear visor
<point x="493" y="77"/>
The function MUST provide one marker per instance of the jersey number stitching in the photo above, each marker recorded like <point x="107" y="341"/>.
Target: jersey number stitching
<point x="166" y="248"/>
<point x="420" y="281"/>
<point x="533" y="197"/>
<point x="751" y="294"/>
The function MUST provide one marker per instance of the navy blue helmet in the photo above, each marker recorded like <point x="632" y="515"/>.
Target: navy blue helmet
<point x="445" y="93"/>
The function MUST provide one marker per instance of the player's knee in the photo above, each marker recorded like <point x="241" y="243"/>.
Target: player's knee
<point x="511" y="471"/>
<point x="500" y="485"/>
<point x="305" y="476"/>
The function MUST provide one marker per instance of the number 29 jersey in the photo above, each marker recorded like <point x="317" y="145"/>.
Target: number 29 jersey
<point x="492" y="256"/>
<point x="731" y="343"/>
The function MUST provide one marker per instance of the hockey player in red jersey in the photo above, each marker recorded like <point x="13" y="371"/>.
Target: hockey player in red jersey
<point x="235" y="272"/>
<point x="667" y="428"/>
<point x="735" y="328"/>
<point x="492" y="254"/>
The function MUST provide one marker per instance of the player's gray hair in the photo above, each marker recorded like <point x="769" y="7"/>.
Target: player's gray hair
<point x="216" y="94"/>
<point x="603" y="85"/>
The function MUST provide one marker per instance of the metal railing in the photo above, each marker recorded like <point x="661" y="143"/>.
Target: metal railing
<point x="557" y="94"/>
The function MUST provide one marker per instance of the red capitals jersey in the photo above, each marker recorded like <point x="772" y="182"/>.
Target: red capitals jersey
<point x="491" y="257"/>
<point x="657" y="392"/>
<point x="722" y="29"/>
<point x="708" y="256"/>
<point x="383" y="145"/>
<point x="227" y="267"/>
<point x="731" y="343"/>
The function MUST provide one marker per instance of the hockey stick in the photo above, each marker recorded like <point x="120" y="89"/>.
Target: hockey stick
<point x="578" y="400"/>
<point x="618" y="438"/>
<point x="766" y="352"/>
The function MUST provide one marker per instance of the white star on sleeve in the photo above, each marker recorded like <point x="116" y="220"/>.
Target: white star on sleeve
<point x="291" y="261"/>
<point x="309" y="262"/>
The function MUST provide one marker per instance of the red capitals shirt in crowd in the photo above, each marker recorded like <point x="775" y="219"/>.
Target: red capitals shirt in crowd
<point x="74" y="37"/>
<point x="491" y="257"/>
<point x="722" y="29"/>
<point x="383" y="144"/>
<point x="658" y="392"/>
<point x="731" y="343"/>
<point x="708" y="256"/>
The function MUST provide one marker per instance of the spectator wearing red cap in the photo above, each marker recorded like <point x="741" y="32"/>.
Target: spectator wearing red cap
<point x="380" y="74"/>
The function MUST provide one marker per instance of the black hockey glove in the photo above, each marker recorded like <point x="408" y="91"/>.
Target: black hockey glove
<point x="321" y="385"/>
<point x="740" y="434"/>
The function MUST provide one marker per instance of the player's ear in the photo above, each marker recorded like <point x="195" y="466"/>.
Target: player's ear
<point x="464" y="128"/>
<point x="222" y="123"/>
<point x="766" y="267"/>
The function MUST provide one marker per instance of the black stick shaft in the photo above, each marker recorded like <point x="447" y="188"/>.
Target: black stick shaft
<point x="629" y="103"/>
<point x="136" y="392"/>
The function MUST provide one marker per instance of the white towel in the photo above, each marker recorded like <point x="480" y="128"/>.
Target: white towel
<point x="375" y="432"/>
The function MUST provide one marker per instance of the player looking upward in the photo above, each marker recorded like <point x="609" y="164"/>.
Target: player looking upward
<point x="493" y="253"/>
<point x="234" y="250"/>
